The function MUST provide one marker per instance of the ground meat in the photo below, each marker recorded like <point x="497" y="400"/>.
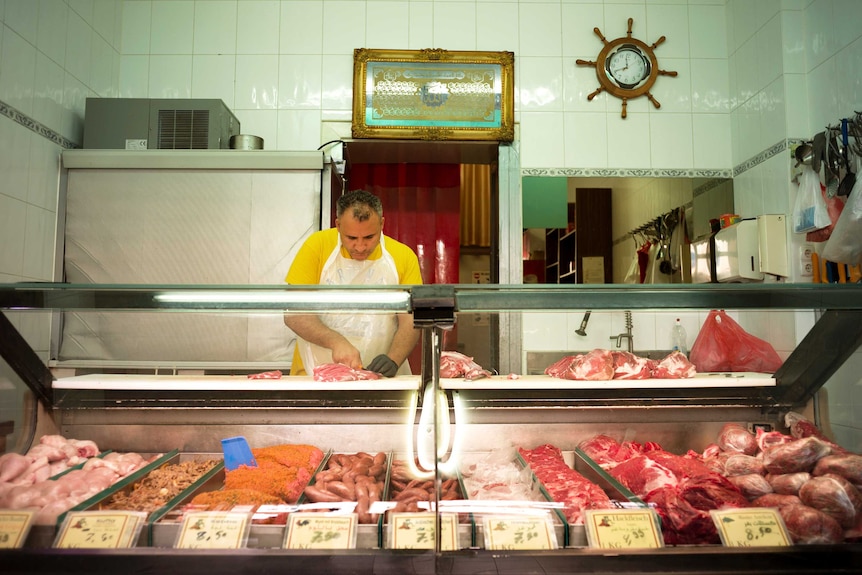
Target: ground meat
<point x="159" y="486"/>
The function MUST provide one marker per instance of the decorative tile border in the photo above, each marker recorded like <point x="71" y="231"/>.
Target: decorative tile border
<point x="33" y="125"/>
<point x="624" y="173"/>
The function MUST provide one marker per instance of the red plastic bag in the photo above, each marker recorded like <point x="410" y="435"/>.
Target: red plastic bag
<point x="722" y="345"/>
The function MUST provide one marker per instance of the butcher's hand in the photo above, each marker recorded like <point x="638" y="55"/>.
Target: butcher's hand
<point x="346" y="353"/>
<point x="383" y="365"/>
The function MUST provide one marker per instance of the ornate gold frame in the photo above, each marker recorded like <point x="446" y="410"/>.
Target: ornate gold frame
<point x="433" y="94"/>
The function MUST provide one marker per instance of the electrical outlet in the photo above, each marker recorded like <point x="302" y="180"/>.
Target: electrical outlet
<point x="755" y="427"/>
<point x="806" y="268"/>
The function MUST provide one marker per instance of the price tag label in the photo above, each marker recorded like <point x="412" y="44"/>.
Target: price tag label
<point x="213" y="530"/>
<point x="99" y="530"/>
<point x="751" y="527"/>
<point x="519" y="532"/>
<point x="320" y="531"/>
<point x="623" y="529"/>
<point x="14" y="527"/>
<point x="418" y="530"/>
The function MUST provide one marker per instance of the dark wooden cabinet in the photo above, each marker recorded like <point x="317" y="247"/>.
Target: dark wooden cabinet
<point x="588" y="236"/>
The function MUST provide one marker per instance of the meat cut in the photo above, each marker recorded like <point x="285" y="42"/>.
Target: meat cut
<point x="564" y="484"/>
<point x="332" y="372"/>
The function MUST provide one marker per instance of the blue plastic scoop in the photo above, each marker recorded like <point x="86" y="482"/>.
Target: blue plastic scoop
<point x="237" y="452"/>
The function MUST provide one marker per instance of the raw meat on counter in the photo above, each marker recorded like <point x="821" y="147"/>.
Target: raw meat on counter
<point x="496" y="476"/>
<point x="355" y="477"/>
<point x="454" y="364"/>
<point x="814" y="483"/>
<point x="27" y="481"/>
<point x="407" y="491"/>
<point x="683" y="490"/>
<point x="604" y="365"/>
<point x="564" y="484"/>
<point x="330" y="372"/>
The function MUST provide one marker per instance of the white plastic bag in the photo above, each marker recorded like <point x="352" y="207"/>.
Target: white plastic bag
<point x="845" y="244"/>
<point x="809" y="212"/>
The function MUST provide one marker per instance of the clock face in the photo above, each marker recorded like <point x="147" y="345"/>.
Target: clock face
<point x="628" y="66"/>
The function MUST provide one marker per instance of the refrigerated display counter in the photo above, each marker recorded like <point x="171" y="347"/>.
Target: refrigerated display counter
<point x="162" y="403"/>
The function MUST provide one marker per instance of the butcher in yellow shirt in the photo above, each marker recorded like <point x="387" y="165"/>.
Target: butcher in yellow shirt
<point x="354" y="252"/>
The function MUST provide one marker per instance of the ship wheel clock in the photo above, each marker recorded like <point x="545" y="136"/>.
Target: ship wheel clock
<point x="627" y="68"/>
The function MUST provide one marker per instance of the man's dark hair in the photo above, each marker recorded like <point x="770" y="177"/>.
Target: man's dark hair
<point x="362" y="204"/>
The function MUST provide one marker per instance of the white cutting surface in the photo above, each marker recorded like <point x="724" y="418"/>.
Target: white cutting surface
<point x="229" y="383"/>
<point x="405" y="382"/>
<point x="736" y="379"/>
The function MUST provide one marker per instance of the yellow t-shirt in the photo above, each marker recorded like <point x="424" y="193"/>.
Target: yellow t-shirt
<point x="307" y="266"/>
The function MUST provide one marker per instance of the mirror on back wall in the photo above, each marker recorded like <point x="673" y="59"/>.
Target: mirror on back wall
<point x="605" y="241"/>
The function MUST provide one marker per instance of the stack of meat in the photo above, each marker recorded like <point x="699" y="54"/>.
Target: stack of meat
<point x="331" y="372"/>
<point x="814" y="483"/>
<point x="603" y="365"/>
<point x="25" y="480"/>
<point x="454" y="364"/>
<point x="682" y="490"/>
<point x="564" y="484"/>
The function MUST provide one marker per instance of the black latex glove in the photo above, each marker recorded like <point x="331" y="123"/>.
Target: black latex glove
<point x="383" y="365"/>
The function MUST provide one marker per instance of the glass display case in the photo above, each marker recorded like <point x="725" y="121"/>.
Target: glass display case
<point x="439" y="430"/>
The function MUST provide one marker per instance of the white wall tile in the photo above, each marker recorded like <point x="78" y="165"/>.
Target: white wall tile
<point x="707" y="32"/>
<point x="75" y="95"/>
<point x="39" y="243"/>
<point x="670" y="21"/>
<point x="796" y="106"/>
<point x="44" y="173"/>
<point x="710" y="134"/>
<point x="769" y="49"/>
<point x="79" y="47"/>
<point x="84" y="9"/>
<point x="616" y="20"/>
<point x="172" y="28"/>
<point x="298" y="129"/>
<point x="744" y="22"/>
<point x="541" y="84"/>
<point x="454" y="26"/>
<point x="102" y="67"/>
<point x="137" y="21"/>
<point x="215" y="27"/>
<point x="629" y="141"/>
<point x="344" y="26"/>
<point x="822" y="101"/>
<point x="337" y="82"/>
<point x="17" y="72"/>
<point x="105" y="20"/>
<point x="540" y="29"/>
<point x="578" y="21"/>
<point x="256" y="82"/>
<point x="258" y="27"/>
<point x="214" y="76"/>
<point x="586" y="140"/>
<point x="299" y="82"/>
<point x="773" y="114"/>
<point x="22" y="17"/>
<point x="48" y="91"/>
<point x="792" y="43"/>
<point x="262" y="123"/>
<point x="170" y="76"/>
<point x="542" y="330"/>
<point x="14" y="159"/>
<point x="301" y="27"/>
<point x="848" y="87"/>
<point x="578" y="83"/>
<point x="820" y="42"/>
<point x="497" y="26"/>
<point x="671" y="140"/>
<point x="544" y="131"/>
<point x="674" y="93"/>
<point x="13" y="214"/>
<point x="387" y="26"/>
<point x="421" y="34"/>
<point x="710" y="88"/>
<point x="134" y="76"/>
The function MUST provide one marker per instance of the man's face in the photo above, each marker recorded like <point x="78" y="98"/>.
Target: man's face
<point x="359" y="237"/>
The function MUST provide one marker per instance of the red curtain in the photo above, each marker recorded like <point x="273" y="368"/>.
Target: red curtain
<point x="421" y="208"/>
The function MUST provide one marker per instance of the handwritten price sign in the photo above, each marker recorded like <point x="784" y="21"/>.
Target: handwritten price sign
<point x="623" y="529"/>
<point x="213" y="530"/>
<point x="319" y="531"/>
<point x="751" y="527"/>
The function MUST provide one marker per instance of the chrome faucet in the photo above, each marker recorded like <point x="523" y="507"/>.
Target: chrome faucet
<point x="626" y="334"/>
